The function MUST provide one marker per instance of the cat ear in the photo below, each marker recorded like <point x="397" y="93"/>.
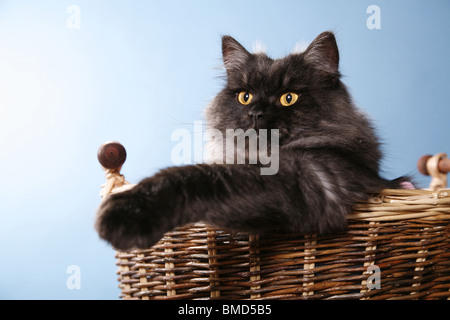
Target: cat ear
<point x="234" y="54"/>
<point x="323" y="53"/>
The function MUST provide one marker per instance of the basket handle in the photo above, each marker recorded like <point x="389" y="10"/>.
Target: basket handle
<point x="112" y="156"/>
<point x="437" y="167"/>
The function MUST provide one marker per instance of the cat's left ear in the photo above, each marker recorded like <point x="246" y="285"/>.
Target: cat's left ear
<point x="323" y="53"/>
<point x="234" y="54"/>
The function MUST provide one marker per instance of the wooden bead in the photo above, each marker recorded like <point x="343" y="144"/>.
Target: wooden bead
<point x="422" y="164"/>
<point x="112" y="155"/>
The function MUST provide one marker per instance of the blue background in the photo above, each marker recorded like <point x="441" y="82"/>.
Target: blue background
<point x="138" y="70"/>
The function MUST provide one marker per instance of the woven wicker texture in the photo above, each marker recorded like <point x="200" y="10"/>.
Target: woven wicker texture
<point x="397" y="247"/>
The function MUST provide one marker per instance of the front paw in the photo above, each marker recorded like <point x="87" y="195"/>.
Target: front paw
<point x="129" y="220"/>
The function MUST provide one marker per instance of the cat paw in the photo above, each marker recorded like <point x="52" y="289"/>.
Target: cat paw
<point x="128" y="220"/>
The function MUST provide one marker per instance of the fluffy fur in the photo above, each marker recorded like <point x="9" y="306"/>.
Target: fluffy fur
<point x="328" y="158"/>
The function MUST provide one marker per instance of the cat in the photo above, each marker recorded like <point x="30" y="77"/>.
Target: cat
<point x="329" y="156"/>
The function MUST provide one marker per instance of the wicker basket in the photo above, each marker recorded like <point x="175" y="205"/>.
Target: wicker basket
<point x="397" y="247"/>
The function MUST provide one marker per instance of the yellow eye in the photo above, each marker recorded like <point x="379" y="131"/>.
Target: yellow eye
<point x="245" y="97"/>
<point x="288" y="99"/>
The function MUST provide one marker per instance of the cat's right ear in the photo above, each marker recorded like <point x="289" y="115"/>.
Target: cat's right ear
<point x="234" y="54"/>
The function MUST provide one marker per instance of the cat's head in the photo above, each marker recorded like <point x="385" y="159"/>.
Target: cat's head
<point x="301" y="95"/>
<point x="295" y="93"/>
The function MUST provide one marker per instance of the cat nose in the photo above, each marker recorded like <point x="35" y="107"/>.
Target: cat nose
<point x="256" y="115"/>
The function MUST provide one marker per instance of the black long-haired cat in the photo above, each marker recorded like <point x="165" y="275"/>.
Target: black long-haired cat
<point x="328" y="156"/>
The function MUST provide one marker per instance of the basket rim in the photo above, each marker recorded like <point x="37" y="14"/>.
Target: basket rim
<point x="404" y="204"/>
